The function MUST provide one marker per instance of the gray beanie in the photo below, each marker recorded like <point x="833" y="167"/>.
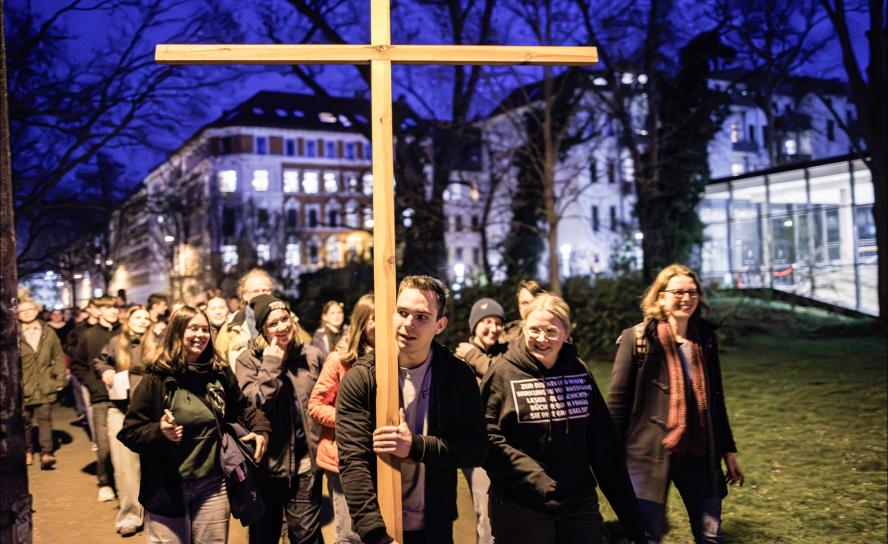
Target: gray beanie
<point x="485" y="307"/>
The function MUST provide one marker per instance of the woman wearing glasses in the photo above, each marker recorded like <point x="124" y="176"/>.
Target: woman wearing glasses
<point x="667" y="402"/>
<point x="551" y="439"/>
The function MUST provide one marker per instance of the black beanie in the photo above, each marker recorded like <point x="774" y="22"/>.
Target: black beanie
<point x="263" y="305"/>
<point x="485" y="307"/>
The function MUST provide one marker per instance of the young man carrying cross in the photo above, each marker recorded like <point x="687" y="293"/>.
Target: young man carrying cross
<point x="441" y="425"/>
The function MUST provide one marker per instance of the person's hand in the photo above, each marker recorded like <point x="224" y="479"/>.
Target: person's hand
<point x="463" y="349"/>
<point x="168" y="427"/>
<point x="261" y="442"/>
<point x="734" y="475"/>
<point x="393" y="439"/>
<point x="273" y="350"/>
<point x="108" y="376"/>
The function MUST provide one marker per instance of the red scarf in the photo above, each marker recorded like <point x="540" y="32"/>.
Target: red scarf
<point x="678" y="410"/>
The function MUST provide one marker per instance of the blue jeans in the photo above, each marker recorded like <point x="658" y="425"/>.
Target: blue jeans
<point x="703" y="513"/>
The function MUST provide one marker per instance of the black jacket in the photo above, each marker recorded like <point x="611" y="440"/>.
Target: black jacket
<point x="160" y="490"/>
<point x="456" y="439"/>
<point x="89" y="345"/>
<point x="281" y="390"/>
<point x="551" y="437"/>
<point x="638" y="400"/>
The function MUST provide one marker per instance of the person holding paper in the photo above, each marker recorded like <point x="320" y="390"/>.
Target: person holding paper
<point x="121" y="364"/>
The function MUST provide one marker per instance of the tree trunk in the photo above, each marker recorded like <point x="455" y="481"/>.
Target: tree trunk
<point x="15" y="501"/>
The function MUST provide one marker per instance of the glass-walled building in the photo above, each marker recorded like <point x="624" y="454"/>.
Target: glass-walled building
<point x="806" y="229"/>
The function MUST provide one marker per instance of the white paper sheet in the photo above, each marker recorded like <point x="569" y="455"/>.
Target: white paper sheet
<point x="119" y="387"/>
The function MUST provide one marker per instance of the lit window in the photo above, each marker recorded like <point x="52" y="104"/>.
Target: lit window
<point x="368" y="184"/>
<point x="290" y="147"/>
<point x="330" y="183"/>
<point x="456" y="192"/>
<point x="311" y="148"/>
<point x="260" y="180"/>
<point x="628" y="169"/>
<point x="735" y="133"/>
<point x="790" y="147"/>
<point x="291" y="181"/>
<point x="330" y="149"/>
<point x="326" y="117"/>
<point x="333" y="250"/>
<point x="229" y="256"/>
<point x="228" y="181"/>
<point x="736" y="169"/>
<point x="350" y="150"/>
<point x="293" y="256"/>
<point x="263" y="253"/>
<point x="351" y="181"/>
<point x="352" y="215"/>
<point x="310" y="182"/>
<point x="261" y="145"/>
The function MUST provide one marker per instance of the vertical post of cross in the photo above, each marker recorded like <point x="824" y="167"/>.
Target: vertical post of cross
<point x="384" y="277"/>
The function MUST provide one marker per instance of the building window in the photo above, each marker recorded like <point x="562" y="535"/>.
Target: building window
<point x="613" y="217"/>
<point x="333" y="250"/>
<point x="263" y="253"/>
<point x="459" y="223"/>
<point x="310" y="182"/>
<point x="333" y="218"/>
<point x="313" y="252"/>
<point x="593" y="171"/>
<point x="459" y="254"/>
<point x="229" y="256"/>
<point x="350" y="150"/>
<point x="611" y="172"/>
<point x="352" y="215"/>
<point x="350" y="180"/>
<point x="292" y="256"/>
<point x="476" y="222"/>
<point x="262" y="217"/>
<point x="737" y="169"/>
<point x="291" y="181"/>
<point x="261" y="145"/>
<point x="331" y="185"/>
<point x="595" y="223"/>
<point x="292" y="219"/>
<point x="290" y="147"/>
<point x="476" y="256"/>
<point x="790" y="147"/>
<point x="751" y="131"/>
<point x="228" y="181"/>
<point x="368" y="151"/>
<point x="227" y="145"/>
<point x="330" y="149"/>
<point x="367" y="180"/>
<point x="831" y="130"/>
<point x="735" y="133"/>
<point x="765" y="140"/>
<point x="229" y="222"/>
<point x="311" y="148"/>
<point x="628" y="169"/>
<point x="312" y="218"/>
<point x="260" y="180"/>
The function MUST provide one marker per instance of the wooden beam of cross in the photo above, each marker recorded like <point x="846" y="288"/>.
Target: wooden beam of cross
<point x="380" y="55"/>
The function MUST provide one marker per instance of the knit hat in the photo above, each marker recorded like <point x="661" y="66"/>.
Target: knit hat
<point x="485" y="307"/>
<point x="263" y="305"/>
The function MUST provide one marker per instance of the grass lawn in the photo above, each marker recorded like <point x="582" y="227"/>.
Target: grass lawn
<point x="810" y="420"/>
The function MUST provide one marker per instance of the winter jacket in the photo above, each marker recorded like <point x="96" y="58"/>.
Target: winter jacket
<point x="551" y="437"/>
<point x="322" y="408"/>
<point x="107" y="360"/>
<point x="160" y="489"/>
<point x="480" y="358"/>
<point x="281" y="390"/>
<point x="455" y="440"/>
<point x="638" y="400"/>
<point x="89" y="345"/>
<point x="43" y="369"/>
<point x="326" y="340"/>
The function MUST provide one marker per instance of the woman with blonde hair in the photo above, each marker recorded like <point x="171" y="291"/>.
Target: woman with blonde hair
<point x="551" y="440"/>
<point x="172" y="424"/>
<point x="277" y="372"/>
<point x="667" y="402"/>
<point x="359" y="340"/>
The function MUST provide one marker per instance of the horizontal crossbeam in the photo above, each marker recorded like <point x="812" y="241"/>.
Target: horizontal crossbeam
<point x="364" y="54"/>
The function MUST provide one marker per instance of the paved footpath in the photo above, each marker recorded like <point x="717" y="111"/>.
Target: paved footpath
<point x="66" y="508"/>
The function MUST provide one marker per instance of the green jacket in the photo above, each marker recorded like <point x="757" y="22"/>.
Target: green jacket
<point x="43" y="371"/>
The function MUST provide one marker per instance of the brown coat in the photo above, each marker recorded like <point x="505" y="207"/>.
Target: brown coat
<point x="43" y="369"/>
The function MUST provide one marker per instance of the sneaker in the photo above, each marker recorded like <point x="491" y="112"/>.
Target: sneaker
<point x="93" y="446"/>
<point x="106" y="494"/>
<point x="29" y="458"/>
<point x="128" y="531"/>
<point x="47" y="460"/>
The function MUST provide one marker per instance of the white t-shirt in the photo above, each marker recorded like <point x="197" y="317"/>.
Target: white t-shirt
<point x="416" y="387"/>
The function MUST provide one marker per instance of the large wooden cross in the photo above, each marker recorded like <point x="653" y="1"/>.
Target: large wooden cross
<point x="380" y="54"/>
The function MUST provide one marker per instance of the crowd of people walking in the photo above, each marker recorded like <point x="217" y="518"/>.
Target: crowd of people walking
<point x="164" y="389"/>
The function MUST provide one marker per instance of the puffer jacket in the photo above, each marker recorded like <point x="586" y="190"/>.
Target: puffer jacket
<point x="43" y="369"/>
<point x="281" y="388"/>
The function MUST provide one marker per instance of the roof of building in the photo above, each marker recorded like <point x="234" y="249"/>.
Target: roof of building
<point x="795" y="86"/>
<point x="791" y="166"/>
<point x="297" y="111"/>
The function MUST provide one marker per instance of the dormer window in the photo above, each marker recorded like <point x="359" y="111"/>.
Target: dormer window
<point x="261" y="145"/>
<point x="228" y="181"/>
<point x="326" y="117"/>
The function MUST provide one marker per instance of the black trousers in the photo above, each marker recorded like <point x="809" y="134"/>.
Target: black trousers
<point x="299" y="501"/>
<point x="42" y="415"/>
<point x="514" y="523"/>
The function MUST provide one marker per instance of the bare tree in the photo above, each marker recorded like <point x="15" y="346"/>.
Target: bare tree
<point x="869" y="88"/>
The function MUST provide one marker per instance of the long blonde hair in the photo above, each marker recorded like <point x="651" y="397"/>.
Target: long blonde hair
<point x="650" y="301"/>
<point x="172" y="359"/>
<point x="356" y="343"/>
